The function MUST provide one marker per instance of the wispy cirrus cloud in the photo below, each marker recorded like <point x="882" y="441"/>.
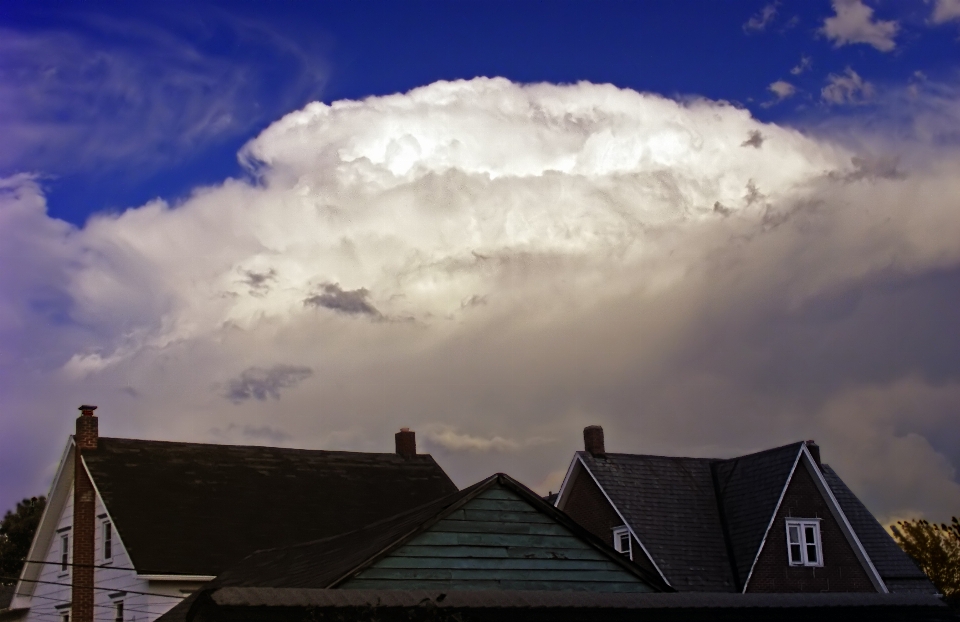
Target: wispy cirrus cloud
<point x="762" y="19"/>
<point x="847" y="88"/>
<point x="109" y="93"/>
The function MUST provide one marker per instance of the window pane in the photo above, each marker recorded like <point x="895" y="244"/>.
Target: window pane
<point x="808" y="536"/>
<point x="795" y="554"/>
<point x="794" y="532"/>
<point x="107" y="541"/>
<point x="812" y="554"/>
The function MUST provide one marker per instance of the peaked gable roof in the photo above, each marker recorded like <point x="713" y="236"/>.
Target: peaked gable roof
<point x="195" y="509"/>
<point x="345" y="560"/>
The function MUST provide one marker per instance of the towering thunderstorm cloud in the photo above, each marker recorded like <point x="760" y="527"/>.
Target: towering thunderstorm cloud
<point x="692" y="279"/>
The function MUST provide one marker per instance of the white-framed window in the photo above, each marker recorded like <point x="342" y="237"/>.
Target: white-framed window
<point x="118" y="610"/>
<point x="64" y="553"/>
<point x="803" y="542"/>
<point x="621" y="541"/>
<point x="65" y="616"/>
<point x="107" y="532"/>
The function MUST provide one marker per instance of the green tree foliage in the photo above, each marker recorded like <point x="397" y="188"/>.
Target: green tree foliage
<point x="935" y="548"/>
<point x="16" y="534"/>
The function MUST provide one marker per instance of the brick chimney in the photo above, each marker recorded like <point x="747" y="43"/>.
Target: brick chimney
<point x="593" y="440"/>
<point x="814" y="450"/>
<point x="84" y="519"/>
<point x="406" y="442"/>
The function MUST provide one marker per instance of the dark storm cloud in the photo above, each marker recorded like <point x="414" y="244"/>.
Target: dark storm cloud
<point x="261" y="383"/>
<point x="349" y="302"/>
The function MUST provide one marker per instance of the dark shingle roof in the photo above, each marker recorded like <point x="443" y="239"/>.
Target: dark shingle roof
<point x="671" y="505"/>
<point x="190" y="508"/>
<point x="750" y="488"/>
<point x="325" y="563"/>
<point x="888" y="558"/>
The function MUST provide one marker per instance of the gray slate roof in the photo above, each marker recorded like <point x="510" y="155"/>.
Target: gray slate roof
<point x="191" y="508"/>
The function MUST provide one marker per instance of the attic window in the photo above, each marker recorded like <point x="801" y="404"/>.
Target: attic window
<point x="119" y="611"/>
<point x="803" y="542"/>
<point x="621" y="541"/>
<point x="107" y="540"/>
<point x="64" y="553"/>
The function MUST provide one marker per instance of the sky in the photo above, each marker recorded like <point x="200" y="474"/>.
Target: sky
<point x="710" y="227"/>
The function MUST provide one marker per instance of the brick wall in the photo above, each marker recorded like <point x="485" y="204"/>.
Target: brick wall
<point x="841" y="571"/>
<point x="587" y="505"/>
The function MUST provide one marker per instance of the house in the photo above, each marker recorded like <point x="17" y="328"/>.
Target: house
<point x="496" y="535"/>
<point x="493" y="552"/>
<point x="774" y="521"/>
<point x="132" y="526"/>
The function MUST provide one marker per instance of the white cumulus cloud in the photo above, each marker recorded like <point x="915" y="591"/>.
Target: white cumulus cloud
<point x="499" y="265"/>
<point x="853" y="22"/>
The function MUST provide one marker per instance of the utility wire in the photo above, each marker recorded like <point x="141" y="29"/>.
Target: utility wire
<point x="91" y="587"/>
<point x="126" y="605"/>
<point x="108" y="566"/>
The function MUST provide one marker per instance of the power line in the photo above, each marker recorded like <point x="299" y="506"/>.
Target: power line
<point x="91" y="587"/>
<point x="107" y="566"/>
<point x="126" y="606"/>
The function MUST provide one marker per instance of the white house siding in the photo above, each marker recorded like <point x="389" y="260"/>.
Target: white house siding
<point x="112" y="584"/>
<point x="46" y="594"/>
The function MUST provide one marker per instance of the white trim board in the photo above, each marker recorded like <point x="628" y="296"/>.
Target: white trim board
<point x="193" y="578"/>
<point x="57" y="497"/>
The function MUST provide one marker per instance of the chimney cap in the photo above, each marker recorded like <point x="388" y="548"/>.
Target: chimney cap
<point x="86" y="409"/>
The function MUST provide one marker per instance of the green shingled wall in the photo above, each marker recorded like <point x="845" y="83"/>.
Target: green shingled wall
<point x="497" y="541"/>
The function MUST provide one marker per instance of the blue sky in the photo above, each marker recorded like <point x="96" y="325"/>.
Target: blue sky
<point x="252" y="62"/>
<point x="710" y="227"/>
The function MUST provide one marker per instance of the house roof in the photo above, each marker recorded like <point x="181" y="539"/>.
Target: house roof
<point x="749" y="489"/>
<point x="703" y="520"/>
<point x="287" y="605"/>
<point x="671" y="505"/>
<point x="889" y="559"/>
<point x="196" y="509"/>
<point x="329" y="562"/>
